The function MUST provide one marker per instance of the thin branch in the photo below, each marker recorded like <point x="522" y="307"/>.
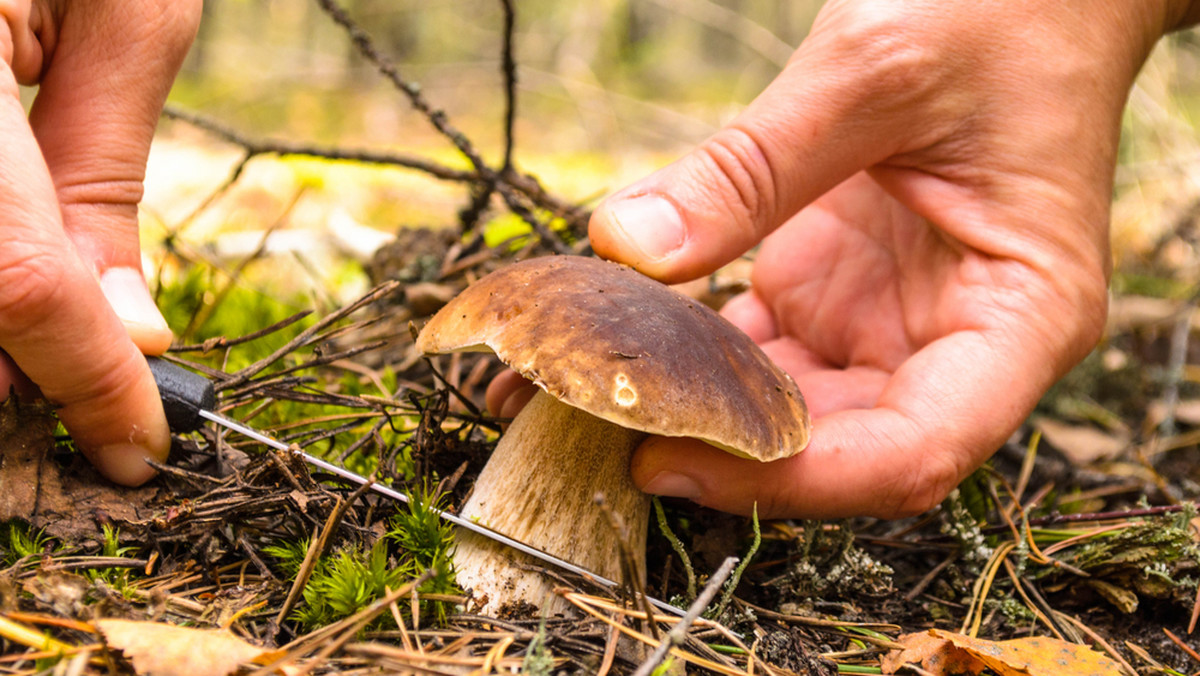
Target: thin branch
<point x="678" y="633"/>
<point x="362" y="41"/>
<point x="509" y="67"/>
<point x="243" y="376"/>
<point x="255" y="147"/>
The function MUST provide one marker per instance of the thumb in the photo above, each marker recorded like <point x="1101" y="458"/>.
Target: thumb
<point x="110" y="65"/>
<point x="834" y="110"/>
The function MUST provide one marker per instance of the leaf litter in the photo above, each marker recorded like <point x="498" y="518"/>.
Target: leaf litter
<point x="1073" y="550"/>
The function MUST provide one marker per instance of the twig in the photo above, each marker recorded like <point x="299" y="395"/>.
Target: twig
<point x="983" y="585"/>
<point x="254" y="147"/>
<point x="364" y="45"/>
<point x="1114" y="515"/>
<point x="678" y="633"/>
<point x="319" y="544"/>
<point x="241" y="377"/>
<point x="929" y="577"/>
<point x="1019" y="585"/>
<point x="206" y="310"/>
<point x="509" y="67"/>
<point x="588" y="605"/>
<point x="213" y="343"/>
<point x="629" y="565"/>
<point x="1182" y="646"/>
<point x="1105" y="645"/>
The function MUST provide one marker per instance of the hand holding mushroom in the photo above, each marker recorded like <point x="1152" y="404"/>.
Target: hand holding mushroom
<point x="930" y="181"/>
<point x="617" y="356"/>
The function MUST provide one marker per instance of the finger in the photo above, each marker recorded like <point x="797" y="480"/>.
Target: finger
<point x="802" y="136"/>
<point x="12" y="380"/>
<point x="508" y="393"/>
<point x="20" y="22"/>
<point x="106" y="77"/>
<point x="748" y="312"/>
<point x="515" y="402"/>
<point x="55" y="323"/>
<point x="942" y="414"/>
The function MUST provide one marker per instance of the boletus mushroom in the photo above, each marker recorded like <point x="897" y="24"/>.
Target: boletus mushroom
<point x="617" y="356"/>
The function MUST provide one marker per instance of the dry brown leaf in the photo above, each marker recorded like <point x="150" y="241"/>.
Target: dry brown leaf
<point x="1081" y="444"/>
<point x="67" y="500"/>
<point x="1186" y="411"/>
<point x="158" y="649"/>
<point x="935" y="655"/>
<point x="945" y="653"/>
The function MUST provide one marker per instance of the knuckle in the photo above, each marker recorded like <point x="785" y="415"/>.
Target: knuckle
<point x="924" y="489"/>
<point x="740" y="161"/>
<point x="30" y="287"/>
<point x="109" y="192"/>
<point x="891" y="54"/>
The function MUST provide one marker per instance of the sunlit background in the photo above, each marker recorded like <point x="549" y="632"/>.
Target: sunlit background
<point x="608" y="90"/>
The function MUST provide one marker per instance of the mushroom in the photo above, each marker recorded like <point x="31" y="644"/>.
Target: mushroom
<point x="617" y="357"/>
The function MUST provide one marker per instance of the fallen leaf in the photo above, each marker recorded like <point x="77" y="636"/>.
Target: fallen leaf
<point x="1186" y="411"/>
<point x="67" y="499"/>
<point x="1081" y="444"/>
<point x="935" y="655"/>
<point x="158" y="649"/>
<point x="26" y="434"/>
<point x="945" y="653"/>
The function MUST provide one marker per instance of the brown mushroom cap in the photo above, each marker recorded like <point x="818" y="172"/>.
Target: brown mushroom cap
<point x="603" y="338"/>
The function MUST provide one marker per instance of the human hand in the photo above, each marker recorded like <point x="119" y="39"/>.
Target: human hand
<point x="934" y="178"/>
<point x="75" y="313"/>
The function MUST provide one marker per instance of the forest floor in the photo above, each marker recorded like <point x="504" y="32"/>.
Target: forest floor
<point x="1080" y="531"/>
<point x="293" y="274"/>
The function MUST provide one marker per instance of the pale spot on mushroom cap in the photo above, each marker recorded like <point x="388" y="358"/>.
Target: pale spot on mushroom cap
<point x="624" y="393"/>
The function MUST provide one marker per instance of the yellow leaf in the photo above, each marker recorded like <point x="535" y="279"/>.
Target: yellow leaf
<point x="944" y="653"/>
<point x="157" y="649"/>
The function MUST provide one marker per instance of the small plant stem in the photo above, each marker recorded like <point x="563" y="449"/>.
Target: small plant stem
<point x="983" y="585"/>
<point x="678" y="633"/>
<point x="678" y="547"/>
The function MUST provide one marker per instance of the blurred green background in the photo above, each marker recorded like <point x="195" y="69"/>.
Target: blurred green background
<point x="608" y="90"/>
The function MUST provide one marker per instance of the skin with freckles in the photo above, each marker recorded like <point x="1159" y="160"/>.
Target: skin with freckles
<point x="929" y="182"/>
<point x="75" y="314"/>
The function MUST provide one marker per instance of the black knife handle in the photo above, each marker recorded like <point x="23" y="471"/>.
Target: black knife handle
<point x="184" y="394"/>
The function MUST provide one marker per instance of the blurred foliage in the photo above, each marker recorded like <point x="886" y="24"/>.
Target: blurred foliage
<point x="578" y="60"/>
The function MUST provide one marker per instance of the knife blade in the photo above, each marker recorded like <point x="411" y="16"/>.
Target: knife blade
<point x="189" y="399"/>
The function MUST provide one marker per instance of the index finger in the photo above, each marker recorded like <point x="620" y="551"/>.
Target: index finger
<point x="55" y="323"/>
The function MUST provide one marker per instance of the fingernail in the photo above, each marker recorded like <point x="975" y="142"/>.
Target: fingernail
<point x="672" y="485"/>
<point x="649" y="224"/>
<point x="126" y="292"/>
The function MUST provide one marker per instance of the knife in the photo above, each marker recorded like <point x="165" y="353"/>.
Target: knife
<point x="189" y="399"/>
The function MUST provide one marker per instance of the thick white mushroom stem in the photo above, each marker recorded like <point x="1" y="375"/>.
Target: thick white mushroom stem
<point x="539" y="488"/>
